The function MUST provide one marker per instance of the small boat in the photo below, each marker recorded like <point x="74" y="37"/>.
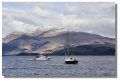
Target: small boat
<point x="69" y="59"/>
<point x="41" y="57"/>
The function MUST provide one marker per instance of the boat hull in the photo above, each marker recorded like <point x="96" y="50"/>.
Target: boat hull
<point x="42" y="59"/>
<point x="71" y="62"/>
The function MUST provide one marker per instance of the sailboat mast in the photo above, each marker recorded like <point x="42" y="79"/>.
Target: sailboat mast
<point x="68" y="43"/>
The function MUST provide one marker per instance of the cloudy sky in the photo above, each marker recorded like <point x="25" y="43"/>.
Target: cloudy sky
<point x="98" y="18"/>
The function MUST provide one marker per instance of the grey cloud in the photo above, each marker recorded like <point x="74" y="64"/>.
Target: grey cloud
<point x="87" y="17"/>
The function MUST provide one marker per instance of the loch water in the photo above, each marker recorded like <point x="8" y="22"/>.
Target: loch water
<point x="88" y="66"/>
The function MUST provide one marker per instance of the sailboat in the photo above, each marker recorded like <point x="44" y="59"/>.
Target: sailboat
<point x="68" y="58"/>
<point x="41" y="57"/>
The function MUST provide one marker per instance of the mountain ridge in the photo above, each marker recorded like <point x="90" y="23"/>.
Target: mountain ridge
<point x="49" y="41"/>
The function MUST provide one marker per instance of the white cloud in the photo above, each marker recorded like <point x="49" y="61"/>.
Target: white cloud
<point x="40" y="12"/>
<point x="87" y="17"/>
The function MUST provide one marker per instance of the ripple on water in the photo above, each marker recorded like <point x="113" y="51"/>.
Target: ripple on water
<point x="88" y="66"/>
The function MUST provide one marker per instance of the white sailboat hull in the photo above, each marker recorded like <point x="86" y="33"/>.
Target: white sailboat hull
<point x="42" y="58"/>
<point x="71" y="61"/>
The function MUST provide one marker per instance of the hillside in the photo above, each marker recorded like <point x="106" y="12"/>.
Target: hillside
<point x="51" y="41"/>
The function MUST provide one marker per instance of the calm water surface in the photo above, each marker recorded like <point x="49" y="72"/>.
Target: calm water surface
<point x="88" y="66"/>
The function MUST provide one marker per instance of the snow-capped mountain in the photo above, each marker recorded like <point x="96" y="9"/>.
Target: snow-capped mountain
<point x="48" y="41"/>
